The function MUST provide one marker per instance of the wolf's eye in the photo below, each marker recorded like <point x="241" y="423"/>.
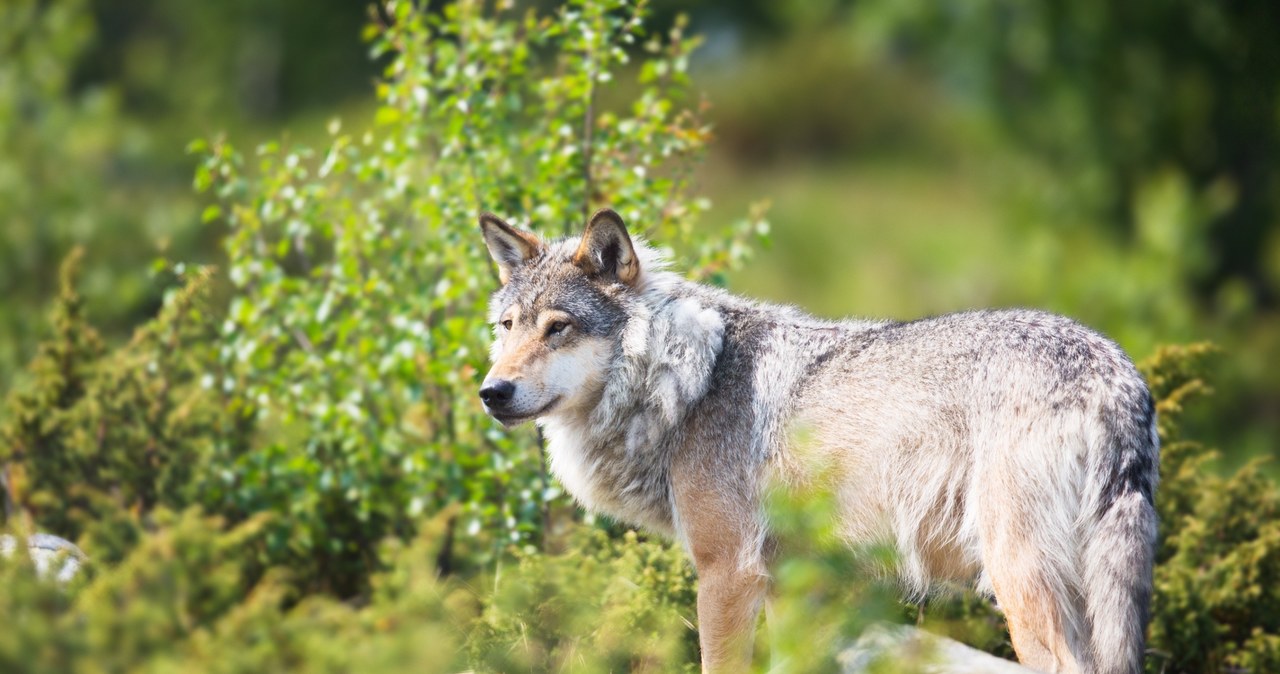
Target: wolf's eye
<point x="506" y="325"/>
<point x="556" y="328"/>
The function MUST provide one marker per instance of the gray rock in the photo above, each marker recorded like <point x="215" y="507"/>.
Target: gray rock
<point x="47" y="550"/>
<point x="923" y="652"/>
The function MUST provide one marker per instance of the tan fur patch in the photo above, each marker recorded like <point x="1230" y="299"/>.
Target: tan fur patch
<point x="520" y="362"/>
<point x="719" y="531"/>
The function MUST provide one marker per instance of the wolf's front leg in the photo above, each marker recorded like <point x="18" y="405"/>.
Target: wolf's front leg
<point x="728" y="604"/>
<point x="723" y="530"/>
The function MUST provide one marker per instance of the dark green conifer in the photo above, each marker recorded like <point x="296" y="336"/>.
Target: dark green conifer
<point x="41" y="442"/>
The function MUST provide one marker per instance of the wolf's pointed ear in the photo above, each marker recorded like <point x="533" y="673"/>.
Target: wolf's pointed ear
<point x="606" y="249"/>
<point x="509" y="246"/>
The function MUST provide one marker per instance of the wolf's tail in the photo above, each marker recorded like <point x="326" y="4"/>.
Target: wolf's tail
<point x="1119" y="553"/>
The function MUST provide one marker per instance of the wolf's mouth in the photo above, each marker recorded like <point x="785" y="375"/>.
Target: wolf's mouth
<point x="516" y="419"/>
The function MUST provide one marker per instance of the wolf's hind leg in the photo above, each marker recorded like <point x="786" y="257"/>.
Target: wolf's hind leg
<point x="1031" y="602"/>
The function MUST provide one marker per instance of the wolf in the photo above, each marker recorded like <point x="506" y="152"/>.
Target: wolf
<point x="1015" y="449"/>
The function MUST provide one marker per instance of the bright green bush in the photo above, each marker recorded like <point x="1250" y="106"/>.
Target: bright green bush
<point x="356" y="334"/>
<point x="1217" y="601"/>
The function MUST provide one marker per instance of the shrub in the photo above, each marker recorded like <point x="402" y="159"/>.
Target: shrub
<point x="1217" y="600"/>
<point x="356" y="332"/>
<point x="605" y="604"/>
<point x="100" y="439"/>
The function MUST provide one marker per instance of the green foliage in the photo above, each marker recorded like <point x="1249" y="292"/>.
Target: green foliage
<point x="69" y="162"/>
<point x="251" y="478"/>
<point x="170" y="586"/>
<point x="41" y="195"/>
<point x="101" y="439"/>
<point x="813" y="96"/>
<point x="356" y="333"/>
<point x="411" y="623"/>
<point x="1119" y="96"/>
<point x="41" y="436"/>
<point x="606" y="604"/>
<point x="823" y="593"/>
<point x="1217" y="606"/>
<point x="184" y="600"/>
<point x="332" y="408"/>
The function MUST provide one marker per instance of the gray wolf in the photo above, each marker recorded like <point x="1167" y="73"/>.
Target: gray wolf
<point x="1015" y="450"/>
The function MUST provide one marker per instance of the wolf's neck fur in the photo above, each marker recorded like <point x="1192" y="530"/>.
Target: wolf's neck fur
<point x="615" y="456"/>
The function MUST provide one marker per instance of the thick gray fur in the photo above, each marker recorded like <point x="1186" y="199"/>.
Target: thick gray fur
<point x="954" y="438"/>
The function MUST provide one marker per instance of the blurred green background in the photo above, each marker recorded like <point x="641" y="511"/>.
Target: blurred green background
<point x="282" y="464"/>
<point x="1116" y="162"/>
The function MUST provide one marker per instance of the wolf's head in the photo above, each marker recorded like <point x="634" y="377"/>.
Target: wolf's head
<point x="557" y="317"/>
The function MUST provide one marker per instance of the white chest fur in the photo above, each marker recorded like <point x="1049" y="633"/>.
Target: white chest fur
<point x="570" y="460"/>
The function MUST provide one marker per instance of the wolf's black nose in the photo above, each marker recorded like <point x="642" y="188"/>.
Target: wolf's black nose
<point x="498" y="393"/>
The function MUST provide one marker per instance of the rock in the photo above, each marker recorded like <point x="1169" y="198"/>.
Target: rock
<point x="47" y="550"/>
<point x="922" y="652"/>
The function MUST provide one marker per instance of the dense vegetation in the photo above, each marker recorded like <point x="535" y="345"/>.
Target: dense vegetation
<point x="286" y="467"/>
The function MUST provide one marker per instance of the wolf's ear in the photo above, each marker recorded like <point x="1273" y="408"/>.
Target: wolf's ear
<point x="606" y="249"/>
<point x="509" y="246"/>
